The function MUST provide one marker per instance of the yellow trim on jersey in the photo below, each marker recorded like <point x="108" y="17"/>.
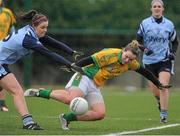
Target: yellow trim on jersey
<point x="7" y="19"/>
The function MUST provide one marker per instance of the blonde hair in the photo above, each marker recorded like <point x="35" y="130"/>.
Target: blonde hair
<point x="133" y="47"/>
<point x="160" y="1"/>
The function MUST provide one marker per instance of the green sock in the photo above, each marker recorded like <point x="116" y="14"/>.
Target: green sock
<point x="2" y="102"/>
<point x="44" y="93"/>
<point x="70" y="117"/>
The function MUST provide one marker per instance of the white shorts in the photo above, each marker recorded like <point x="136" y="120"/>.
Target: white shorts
<point x="91" y="92"/>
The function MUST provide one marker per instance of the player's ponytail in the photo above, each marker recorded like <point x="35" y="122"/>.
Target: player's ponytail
<point x="24" y="17"/>
<point x="133" y="47"/>
<point x="32" y="16"/>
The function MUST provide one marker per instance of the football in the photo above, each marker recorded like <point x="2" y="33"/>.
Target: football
<point x="79" y="106"/>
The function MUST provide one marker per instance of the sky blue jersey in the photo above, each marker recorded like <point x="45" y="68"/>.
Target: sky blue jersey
<point x="11" y="48"/>
<point x="156" y="37"/>
<point x="24" y="41"/>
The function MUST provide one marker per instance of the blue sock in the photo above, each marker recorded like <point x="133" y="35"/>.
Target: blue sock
<point x="163" y="113"/>
<point x="27" y="119"/>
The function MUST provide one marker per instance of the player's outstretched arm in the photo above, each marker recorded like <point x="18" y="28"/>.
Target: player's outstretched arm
<point x="85" y="61"/>
<point x="47" y="40"/>
<point x="147" y="74"/>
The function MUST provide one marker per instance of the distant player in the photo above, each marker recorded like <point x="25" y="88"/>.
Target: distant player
<point x="159" y="37"/>
<point x="97" y="68"/>
<point x="7" y="21"/>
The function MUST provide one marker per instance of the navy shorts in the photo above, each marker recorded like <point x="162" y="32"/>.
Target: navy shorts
<point x="4" y="70"/>
<point x="156" y="68"/>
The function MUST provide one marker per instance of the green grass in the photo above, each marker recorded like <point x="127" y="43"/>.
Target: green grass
<point x="125" y="111"/>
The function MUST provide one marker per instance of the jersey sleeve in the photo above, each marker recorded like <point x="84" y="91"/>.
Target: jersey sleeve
<point x="139" y="34"/>
<point x="149" y="75"/>
<point x="30" y="42"/>
<point x="173" y="40"/>
<point x="47" y="40"/>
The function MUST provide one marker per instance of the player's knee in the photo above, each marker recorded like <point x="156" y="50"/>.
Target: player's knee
<point x="67" y="100"/>
<point x="100" y="116"/>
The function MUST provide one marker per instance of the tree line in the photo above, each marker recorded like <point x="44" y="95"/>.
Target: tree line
<point x="97" y="14"/>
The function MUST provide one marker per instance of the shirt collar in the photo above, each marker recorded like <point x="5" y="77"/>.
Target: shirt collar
<point x="154" y="21"/>
<point x="32" y="29"/>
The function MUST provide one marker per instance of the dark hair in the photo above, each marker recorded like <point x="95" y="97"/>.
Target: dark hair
<point x="133" y="47"/>
<point x="32" y="16"/>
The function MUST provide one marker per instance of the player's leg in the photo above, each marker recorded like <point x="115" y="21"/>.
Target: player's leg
<point x="9" y="82"/>
<point x="66" y="96"/>
<point x="164" y="78"/>
<point x="96" y="106"/>
<point x="3" y="106"/>
<point x="92" y="94"/>
<point x="58" y="95"/>
<point x="61" y="95"/>
<point x="154" y="68"/>
<point x="156" y="93"/>
<point x="165" y="71"/>
<point x="96" y="110"/>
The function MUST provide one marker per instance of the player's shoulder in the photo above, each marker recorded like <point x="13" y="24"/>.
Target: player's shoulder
<point x="6" y="9"/>
<point x="146" y="20"/>
<point x="166" y="20"/>
<point x="111" y="49"/>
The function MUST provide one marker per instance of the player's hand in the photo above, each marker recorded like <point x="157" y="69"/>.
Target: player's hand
<point x="76" y="68"/>
<point x="148" y="51"/>
<point x="77" y="54"/>
<point x="145" y="50"/>
<point x="65" y="68"/>
<point x="162" y="87"/>
<point x="172" y="56"/>
<point x="72" y="68"/>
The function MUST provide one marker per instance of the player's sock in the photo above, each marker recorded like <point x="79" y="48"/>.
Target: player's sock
<point x="70" y="117"/>
<point x="157" y="98"/>
<point x="44" y="93"/>
<point x="163" y="116"/>
<point x="163" y="113"/>
<point x="2" y="102"/>
<point x="27" y="119"/>
<point x="158" y="102"/>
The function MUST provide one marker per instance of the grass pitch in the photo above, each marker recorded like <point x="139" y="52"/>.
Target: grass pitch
<point x="125" y="111"/>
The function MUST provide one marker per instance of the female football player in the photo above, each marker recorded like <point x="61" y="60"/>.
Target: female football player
<point x="158" y="36"/>
<point x="97" y="68"/>
<point x="21" y="43"/>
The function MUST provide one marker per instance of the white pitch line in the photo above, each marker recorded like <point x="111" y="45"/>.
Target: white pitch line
<point x="143" y="130"/>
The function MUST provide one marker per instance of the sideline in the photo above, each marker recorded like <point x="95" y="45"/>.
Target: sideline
<point x="143" y="130"/>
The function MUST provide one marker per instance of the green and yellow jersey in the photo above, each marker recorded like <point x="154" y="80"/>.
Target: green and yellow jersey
<point x="7" y="19"/>
<point x="107" y="64"/>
